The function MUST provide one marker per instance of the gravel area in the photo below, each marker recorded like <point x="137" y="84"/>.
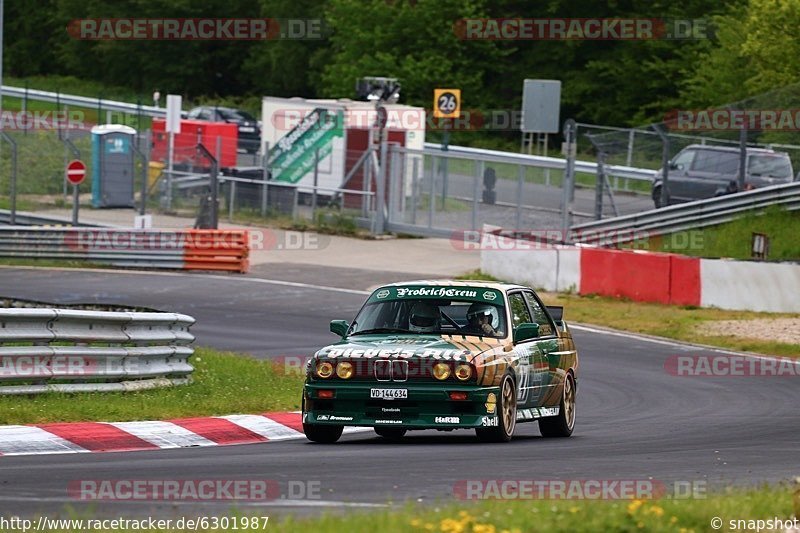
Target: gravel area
<point x="784" y="330"/>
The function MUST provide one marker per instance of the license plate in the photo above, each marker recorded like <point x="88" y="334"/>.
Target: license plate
<point x="388" y="394"/>
<point x="246" y="129"/>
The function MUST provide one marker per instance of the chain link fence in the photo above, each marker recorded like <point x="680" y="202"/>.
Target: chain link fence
<point x="434" y="191"/>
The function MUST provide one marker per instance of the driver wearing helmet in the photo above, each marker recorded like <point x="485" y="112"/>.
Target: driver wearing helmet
<point x="482" y="319"/>
<point x="424" y="318"/>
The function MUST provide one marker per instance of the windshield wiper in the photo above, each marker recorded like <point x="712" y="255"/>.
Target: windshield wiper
<point x="381" y="330"/>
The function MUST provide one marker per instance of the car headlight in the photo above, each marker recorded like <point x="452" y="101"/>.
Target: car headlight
<point x="441" y="371"/>
<point x="463" y="371"/>
<point x="344" y="370"/>
<point x="324" y="369"/>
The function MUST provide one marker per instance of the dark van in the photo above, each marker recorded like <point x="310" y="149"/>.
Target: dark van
<point x="701" y="171"/>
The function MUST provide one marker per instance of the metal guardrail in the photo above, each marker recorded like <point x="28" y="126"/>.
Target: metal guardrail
<point x="681" y="217"/>
<point x="83" y="101"/>
<point x="495" y="156"/>
<point x="179" y="249"/>
<point x="69" y="350"/>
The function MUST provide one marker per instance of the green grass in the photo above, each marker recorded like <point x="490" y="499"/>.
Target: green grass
<point x="562" y="515"/>
<point x="48" y="263"/>
<point x="553" y="516"/>
<point x="477" y="275"/>
<point x="734" y="239"/>
<point x="223" y="383"/>
<point x="671" y="321"/>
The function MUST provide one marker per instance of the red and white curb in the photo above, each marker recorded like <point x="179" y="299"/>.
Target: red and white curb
<point x="86" y="437"/>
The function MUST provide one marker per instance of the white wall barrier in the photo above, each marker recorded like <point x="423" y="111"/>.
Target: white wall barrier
<point x="752" y="286"/>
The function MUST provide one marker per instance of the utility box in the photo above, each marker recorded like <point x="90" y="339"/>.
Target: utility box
<point x="112" y="165"/>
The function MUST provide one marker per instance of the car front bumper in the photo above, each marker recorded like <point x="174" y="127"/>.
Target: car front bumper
<point x="427" y="406"/>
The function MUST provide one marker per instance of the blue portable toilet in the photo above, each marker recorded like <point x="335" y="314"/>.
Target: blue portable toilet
<point x="112" y="165"/>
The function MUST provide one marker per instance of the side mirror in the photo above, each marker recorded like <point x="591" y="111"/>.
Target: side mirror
<point x="673" y="166"/>
<point x="525" y="331"/>
<point x="339" y="327"/>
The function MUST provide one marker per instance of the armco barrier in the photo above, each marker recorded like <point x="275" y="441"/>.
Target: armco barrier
<point x="68" y="350"/>
<point x="180" y="249"/>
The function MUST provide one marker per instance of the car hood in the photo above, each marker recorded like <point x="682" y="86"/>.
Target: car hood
<point x="455" y="348"/>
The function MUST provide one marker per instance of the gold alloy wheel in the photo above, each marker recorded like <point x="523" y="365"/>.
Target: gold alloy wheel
<point x="569" y="402"/>
<point x="509" y="406"/>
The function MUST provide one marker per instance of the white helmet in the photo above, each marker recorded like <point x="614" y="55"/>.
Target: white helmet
<point x="424" y="318"/>
<point x="478" y="309"/>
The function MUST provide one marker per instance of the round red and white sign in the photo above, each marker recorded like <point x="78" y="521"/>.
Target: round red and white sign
<point x="76" y="171"/>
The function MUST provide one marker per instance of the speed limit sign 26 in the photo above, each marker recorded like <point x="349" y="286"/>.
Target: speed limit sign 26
<point x="446" y="103"/>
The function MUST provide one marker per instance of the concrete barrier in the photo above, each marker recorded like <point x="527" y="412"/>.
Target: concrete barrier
<point x="648" y="277"/>
<point x="745" y="285"/>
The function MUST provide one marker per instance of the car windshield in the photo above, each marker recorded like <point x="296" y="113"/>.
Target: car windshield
<point x="388" y="312"/>
<point x="770" y="165"/>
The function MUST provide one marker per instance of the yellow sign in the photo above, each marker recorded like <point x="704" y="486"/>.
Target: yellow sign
<point x="446" y="103"/>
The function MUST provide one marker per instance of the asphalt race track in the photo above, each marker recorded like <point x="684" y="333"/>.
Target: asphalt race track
<point x="635" y="421"/>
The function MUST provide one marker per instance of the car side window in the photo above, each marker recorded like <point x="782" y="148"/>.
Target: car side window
<point x="715" y="161"/>
<point x="519" y="311"/>
<point x="194" y="113"/>
<point x="683" y="160"/>
<point x="539" y="315"/>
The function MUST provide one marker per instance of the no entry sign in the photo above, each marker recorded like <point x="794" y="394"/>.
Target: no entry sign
<point x="76" y="171"/>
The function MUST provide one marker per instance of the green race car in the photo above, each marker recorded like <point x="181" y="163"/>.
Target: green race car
<point x="445" y="355"/>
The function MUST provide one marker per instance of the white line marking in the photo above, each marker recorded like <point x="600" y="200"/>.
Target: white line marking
<point x="685" y="346"/>
<point x="30" y="440"/>
<point x="163" y="434"/>
<point x="206" y="276"/>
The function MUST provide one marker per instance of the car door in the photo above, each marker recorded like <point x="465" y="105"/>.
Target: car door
<point x="677" y="174"/>
<point x="711" y="173"/>
<point x="548" y="375"/>
<point x="532" y="361"/>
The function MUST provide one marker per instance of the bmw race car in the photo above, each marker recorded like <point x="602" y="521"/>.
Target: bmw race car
<point x="445" y="355"/>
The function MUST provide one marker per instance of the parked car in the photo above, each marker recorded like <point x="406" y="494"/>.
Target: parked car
<point x="249" y="130"/>
<point x="701" y="171"/>
<point x="445" y="355"/>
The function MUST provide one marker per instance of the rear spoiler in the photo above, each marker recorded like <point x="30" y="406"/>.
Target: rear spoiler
<point x="556" y="311"/>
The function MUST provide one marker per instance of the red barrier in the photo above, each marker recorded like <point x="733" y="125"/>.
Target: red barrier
<point x="684" y="280"/>
<point x="641" y="276"/>
<point x="217" y="250"/>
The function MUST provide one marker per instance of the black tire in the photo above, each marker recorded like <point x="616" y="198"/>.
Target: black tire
<point x="657" y="197"/>
<point x="506" y="411"/>
<point x="322" y="434"/>
<point x="562" y="424"/>
<point x="318" y="432"/>
<point x="390" y="433"/>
